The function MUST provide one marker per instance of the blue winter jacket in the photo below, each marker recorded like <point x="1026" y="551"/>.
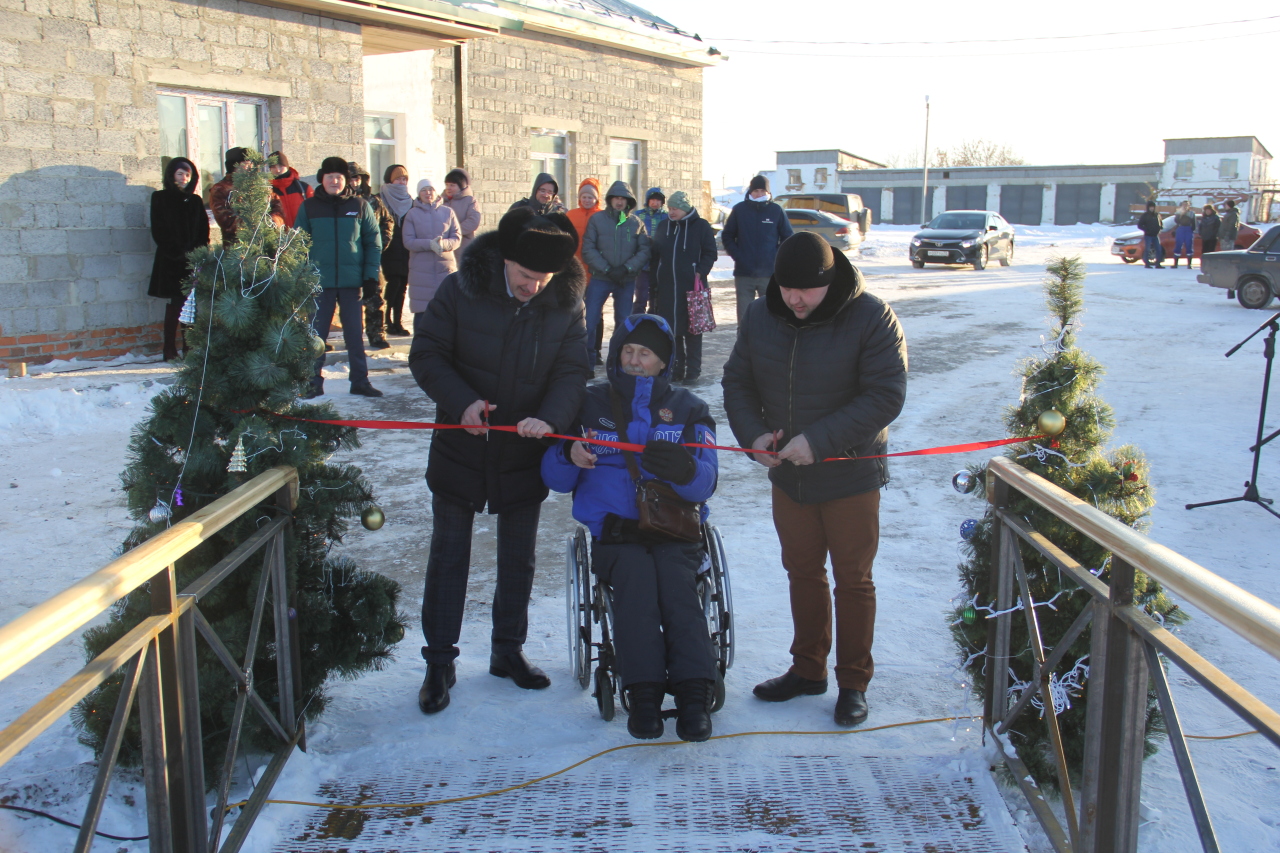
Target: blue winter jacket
<point x="658" y="410"/>
<point x="651" y="218"/>
<point x="752" y="235"/>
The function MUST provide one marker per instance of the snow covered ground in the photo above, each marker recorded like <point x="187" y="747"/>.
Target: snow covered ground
<point x="1161" y="336"/>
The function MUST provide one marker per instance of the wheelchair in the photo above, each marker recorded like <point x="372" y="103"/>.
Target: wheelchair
<point x="590" y="602"/>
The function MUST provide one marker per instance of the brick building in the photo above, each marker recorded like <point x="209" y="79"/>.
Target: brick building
<point x="98" y="93"/>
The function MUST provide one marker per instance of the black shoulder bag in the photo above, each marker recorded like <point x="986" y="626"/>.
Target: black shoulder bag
<point x="661" y="510"/>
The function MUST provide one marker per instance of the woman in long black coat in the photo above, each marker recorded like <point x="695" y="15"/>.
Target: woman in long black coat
<point x="178" y="225"/>
<point x="684" y="246"/>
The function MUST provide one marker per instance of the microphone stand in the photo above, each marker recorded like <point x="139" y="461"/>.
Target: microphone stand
<point x="1251" y="485"/>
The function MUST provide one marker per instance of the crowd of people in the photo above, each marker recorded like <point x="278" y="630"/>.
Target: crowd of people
<point x="1214" y="232"/>
<point x="505" y="335"/>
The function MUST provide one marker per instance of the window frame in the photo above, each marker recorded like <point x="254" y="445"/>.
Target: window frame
<point x="617" y="163"/>
<point x="545" y="157"/>
<point x="1235" y="169"/>
<point x="396" y="143"/>
<point x="1178" y="169"/>
<point x="194" y="98"/>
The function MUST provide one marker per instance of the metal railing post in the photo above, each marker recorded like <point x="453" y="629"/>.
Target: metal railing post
<point x="155" y="763"/>
<point x="1115" y="724"/>
<point x="1001" y="592"/>
<point x="181" y="798"/>
<point x="193" y="742"/>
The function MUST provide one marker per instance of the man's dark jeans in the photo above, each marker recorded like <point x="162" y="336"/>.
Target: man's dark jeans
<point x="1152" y="251"/>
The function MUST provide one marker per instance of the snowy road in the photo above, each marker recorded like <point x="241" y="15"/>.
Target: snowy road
<point x="1161" y="336"/>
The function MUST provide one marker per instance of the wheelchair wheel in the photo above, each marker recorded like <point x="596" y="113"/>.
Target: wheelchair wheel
<point x="604" y="694"/>
<point x="577" y="588"/>
<point x="717" y="701"/>
<point x="718" y="602"/>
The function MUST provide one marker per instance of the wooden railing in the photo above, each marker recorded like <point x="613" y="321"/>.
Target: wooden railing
<point x="159" y="661"/>
<point x="1126" y="646"/>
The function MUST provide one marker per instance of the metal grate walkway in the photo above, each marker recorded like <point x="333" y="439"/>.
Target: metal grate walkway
<point x="672" y="803"/>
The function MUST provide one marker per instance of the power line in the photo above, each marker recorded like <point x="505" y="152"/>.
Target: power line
<point x="987" y="54"/>
<point x="996" y="40"/>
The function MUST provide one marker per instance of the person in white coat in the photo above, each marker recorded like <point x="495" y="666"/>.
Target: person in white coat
<point x="432" y="235"/>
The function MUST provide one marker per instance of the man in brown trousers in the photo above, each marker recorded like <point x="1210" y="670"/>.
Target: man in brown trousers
<point x="818" y="373"/>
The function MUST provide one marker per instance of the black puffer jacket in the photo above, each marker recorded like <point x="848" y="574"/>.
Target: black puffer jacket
<point x="839" y="377"/>
<point x="476" y="342"/>
<point x="681" y="250"/>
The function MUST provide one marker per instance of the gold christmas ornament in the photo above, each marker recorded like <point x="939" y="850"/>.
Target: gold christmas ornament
<point x="1051" y="422"/>
<point x="372" y="518"/>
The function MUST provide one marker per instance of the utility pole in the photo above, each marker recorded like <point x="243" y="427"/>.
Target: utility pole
<point x="924" y="188"/>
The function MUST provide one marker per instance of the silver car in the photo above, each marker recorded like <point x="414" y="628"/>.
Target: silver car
<point x="829" y="227"/>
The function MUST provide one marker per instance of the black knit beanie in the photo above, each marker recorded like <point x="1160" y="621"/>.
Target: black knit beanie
<point x="648" y="333"/>
<point x="804" y="261"/>
<point x="459" y="177"/>
<point x="333" y="164"/>
<point x="538" y="243"/>
<point x="759" y="182"/>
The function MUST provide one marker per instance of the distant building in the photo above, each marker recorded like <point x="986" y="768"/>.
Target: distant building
<point x="1208" y="170"/>
<point x="814" y="171"/>
<point x="98" y="95"/>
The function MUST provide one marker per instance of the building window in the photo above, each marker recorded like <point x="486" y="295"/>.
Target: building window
<point x="1229" y="169"/>
<point x="624" y="162"/>
<point x="820" y="177"/>
<point x="794" y="180"/>
<point x="549" y="152"/>
<point x="201" y="126"/>
<point x="379" y="146"/>
<point x="1183" y="169"/>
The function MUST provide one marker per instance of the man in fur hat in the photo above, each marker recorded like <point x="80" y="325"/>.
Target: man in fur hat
<point x="502" y="343"/>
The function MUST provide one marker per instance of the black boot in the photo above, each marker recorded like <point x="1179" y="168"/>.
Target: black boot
<point x="851" y="707"/>
<point x="788" y="686"/>
<point x="433" y="696"/>
<point x="645" y="699"/>
<point x="517" y="667"/>
<point x="1175" y="262"/>
<point x="694" y="698"/>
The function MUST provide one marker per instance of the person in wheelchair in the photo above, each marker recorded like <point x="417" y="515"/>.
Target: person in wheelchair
<point x="661" y="635"/>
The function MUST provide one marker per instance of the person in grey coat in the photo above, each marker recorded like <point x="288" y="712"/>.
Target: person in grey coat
<point x="616" y="248"/>
<point x="431" y="234"/>
<point x="457" y="195"/>
<point x="1230" y="227"/>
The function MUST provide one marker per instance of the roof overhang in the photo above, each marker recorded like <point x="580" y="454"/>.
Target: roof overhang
<point x="540" y="16"/>
<point x="393" y="27"/>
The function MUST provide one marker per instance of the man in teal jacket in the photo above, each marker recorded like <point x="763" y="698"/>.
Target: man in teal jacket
<point x="347" y="248"/>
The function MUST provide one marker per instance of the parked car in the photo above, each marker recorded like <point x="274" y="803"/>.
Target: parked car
<point x="717" y="216"/>
<point x="1128" y="246"/>
<point x="1251" y="275"/>
<point x="963" y="237"/>
<point x="840" y="233"/>
<point x="847" y="206"/>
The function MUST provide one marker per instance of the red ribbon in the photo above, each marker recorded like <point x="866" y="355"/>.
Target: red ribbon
<point x="639" y="448"/>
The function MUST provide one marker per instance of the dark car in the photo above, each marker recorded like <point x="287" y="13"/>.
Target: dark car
<point x="1251" y="275"/>
<point x="963" y="237"/>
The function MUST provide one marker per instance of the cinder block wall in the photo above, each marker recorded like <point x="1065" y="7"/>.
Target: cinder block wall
<point x="593" y="92"/>
<point x="80" y="145"/>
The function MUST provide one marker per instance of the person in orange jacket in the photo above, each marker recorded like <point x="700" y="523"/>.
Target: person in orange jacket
<point x="588" y="206"/>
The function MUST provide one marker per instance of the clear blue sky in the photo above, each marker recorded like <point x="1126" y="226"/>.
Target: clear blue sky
<point x="1054" y="101"/>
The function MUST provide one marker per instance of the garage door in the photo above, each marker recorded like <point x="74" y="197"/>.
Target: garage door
<point x="967" y="198"/>
<point x="870" y="200"/>
<point x="906" y="205"/>
<point x="1077" y="203"/>
<point x="1022" y="205"/>
<point x="1128" y="195"/>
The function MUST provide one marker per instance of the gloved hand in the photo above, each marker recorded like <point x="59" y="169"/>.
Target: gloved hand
<point x="668" y="461"/>
<point x="435" y="247"/>
<point x="621" y="274"/>
<point x="369" y="291"/>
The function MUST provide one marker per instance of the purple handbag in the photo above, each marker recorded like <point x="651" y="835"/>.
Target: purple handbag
<point x="702" y="317"/>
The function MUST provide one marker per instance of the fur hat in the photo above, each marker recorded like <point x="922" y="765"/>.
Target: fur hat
<point x="804" y="261"/>
<point x="680" y="201"/>
<point x="235" y="156"/>
<point x="759" y="182"/>
<point x="649" y="334"/>
<point x="459" y="177"/>
<point x="334" y="164"/>
<point x="538" y="243"/>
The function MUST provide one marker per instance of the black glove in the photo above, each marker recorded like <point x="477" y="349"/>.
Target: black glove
<point x="668" y="461"/>
<point x="617" y="274"/>
<point x="369" y="291"/>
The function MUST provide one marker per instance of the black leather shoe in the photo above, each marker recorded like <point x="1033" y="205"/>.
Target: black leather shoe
<point x="312" y="392"/>
<point x="433" y="696"/>
<point x="365" y="390"/>
<point x="788" y="686"/>
<point x="379" y="343"/>
<point x="851" y="707"/>
<point x="694" y="698"/>
<point x="517" y="667"/>
<point x="645" y="700"/>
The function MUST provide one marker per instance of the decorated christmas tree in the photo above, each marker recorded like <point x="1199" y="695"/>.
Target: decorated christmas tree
<point x="1059" y="385"/>
<point x="251" y="352"/>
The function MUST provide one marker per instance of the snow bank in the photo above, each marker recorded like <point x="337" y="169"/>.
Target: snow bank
<point x="34" y="413"/>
